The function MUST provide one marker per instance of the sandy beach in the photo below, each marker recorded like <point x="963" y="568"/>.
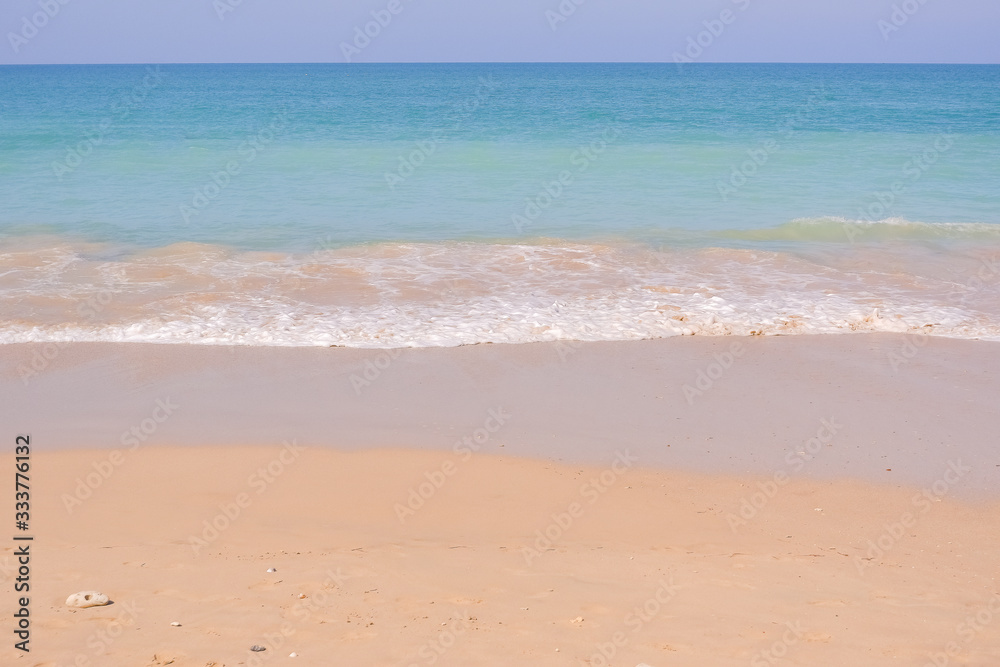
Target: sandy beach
<point x="508" y="561"/>
<point x="697" y="501"/>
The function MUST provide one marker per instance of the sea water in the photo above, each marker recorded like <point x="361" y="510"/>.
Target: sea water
<point x="448" y="204"/>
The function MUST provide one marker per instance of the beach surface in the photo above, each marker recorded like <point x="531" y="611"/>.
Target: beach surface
<point x="886" y="408"/>
<point x="719" y="501"/>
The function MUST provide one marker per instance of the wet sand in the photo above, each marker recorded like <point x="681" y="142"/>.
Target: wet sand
<point x="902" y="406"/>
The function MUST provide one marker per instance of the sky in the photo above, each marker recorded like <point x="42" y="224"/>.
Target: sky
<point x="168" y="31"/>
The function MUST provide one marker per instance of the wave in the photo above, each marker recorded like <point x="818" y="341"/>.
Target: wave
<point x="458" y="293"/>
<point x="844" y="230"/>
<point x="482" y="323"/>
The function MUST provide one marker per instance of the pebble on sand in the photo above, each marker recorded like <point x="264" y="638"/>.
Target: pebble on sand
<point x="85" y="599"/>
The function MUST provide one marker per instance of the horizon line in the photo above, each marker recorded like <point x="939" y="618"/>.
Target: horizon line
<point x="504" y="62"/>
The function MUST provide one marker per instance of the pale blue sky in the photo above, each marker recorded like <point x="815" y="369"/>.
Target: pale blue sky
<point x="161" y="31"/>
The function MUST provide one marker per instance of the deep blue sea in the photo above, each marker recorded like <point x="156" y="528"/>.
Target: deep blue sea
<point x="446" y="204"/>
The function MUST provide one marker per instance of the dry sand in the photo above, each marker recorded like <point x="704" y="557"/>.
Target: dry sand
<point x="734" y="529"/>
<point x="652" y="562"/>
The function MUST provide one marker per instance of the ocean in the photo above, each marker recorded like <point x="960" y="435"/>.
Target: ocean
<point x="446" y="204"/>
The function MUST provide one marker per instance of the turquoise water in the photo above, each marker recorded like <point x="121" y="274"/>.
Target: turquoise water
<point x="400" y="199"/>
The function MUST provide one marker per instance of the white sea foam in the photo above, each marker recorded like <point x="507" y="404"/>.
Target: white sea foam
<point x="420" y="295"/>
